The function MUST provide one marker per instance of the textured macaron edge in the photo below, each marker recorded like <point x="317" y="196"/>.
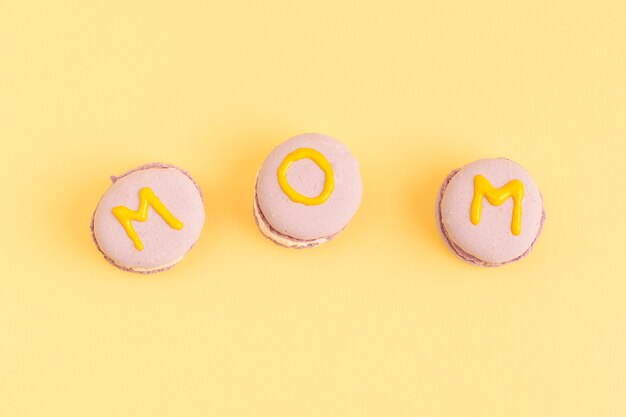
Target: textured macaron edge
<point x="162" y="268"/>
<point x="458" y="251"/>
<point x="279" y="238"/>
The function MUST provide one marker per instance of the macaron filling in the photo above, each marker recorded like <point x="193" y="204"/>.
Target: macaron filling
<point x="279" y="238"/>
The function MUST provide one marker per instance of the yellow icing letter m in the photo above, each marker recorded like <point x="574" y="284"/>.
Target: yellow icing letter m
<point x="497" y="196"/>
<point x="146" y="198"/>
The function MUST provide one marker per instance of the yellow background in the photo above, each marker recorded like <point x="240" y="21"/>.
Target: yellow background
<point x="384" y="321"/>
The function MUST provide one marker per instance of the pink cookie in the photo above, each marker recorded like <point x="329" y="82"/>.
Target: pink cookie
<point x="490" y="212"/>
<point x="318" y="195"/>
<point x="149" y="218"/>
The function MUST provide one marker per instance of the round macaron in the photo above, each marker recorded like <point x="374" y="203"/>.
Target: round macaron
<point x="149" y="218"/>
<point x="307" y="191"/>
<point x="490" y="212"/>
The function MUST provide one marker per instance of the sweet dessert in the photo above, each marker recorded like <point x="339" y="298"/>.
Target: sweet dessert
<point x="149" y="218"/>
<point x="307" y="191"/>
<point x="490" y="212"/>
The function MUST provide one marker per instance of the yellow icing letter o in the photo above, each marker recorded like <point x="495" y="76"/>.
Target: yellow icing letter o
<point x="321" y="161"/>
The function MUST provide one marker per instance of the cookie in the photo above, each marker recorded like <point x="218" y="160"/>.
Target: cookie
<point x="149" y="218"/>
<point x="490" y="212"/>
<point x="307" y="191"/>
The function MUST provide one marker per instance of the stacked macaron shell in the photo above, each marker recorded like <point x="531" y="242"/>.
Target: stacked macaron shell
<point x="149" y="218"/>
<point x="490" y="212"/>
<point x="307" y="191"/>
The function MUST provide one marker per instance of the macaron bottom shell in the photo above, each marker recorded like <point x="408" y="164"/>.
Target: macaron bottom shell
<point x="144" y="271"/>
<point x="281" y="239"/>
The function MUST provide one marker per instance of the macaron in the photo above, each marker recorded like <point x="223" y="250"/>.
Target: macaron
<point x="307" y="191"/>
<point x="490" y="212"/>
<point x="149" y="218"/>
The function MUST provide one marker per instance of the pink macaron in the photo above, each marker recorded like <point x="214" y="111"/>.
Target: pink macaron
<point x="149" y="218"/>
<point x="490" y="212"/>
<point x="307" y="191"/>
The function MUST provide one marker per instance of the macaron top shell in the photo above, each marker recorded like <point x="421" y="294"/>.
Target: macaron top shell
<point x="492" y="239"/>
<point x="302" y="221"/>
<point x="162" y="244"/>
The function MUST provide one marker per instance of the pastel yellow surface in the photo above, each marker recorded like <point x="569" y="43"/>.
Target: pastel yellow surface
<point x="384" y="321"/>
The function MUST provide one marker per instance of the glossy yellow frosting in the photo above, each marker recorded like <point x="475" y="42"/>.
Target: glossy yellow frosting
<point x="146" y="198"/>
<point x="321" y="161"/>
<point x="497" y="196"/>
